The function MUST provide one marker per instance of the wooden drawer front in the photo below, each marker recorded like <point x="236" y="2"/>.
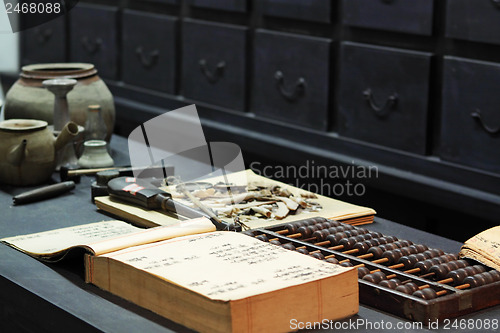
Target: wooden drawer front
<point x="45" y="43"/>
<point x="310" y="10"/>
<point x="291" y="78"/>
<point x="383" y="96"/>
<point x="409" y="16"/>
<point x="213" y="68"/>
<point x="475" y="20"/>
<point x="470" y="126"/>
<point x="149" y="62"/>
<point x="94" y="38"/>
<point x="229" y="5"/>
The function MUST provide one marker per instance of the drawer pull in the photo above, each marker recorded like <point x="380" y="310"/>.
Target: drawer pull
<point x="384" y="110"/>
<point x="296" y="91"/>
<point x="91" y="47"/>
<point x="496" y="3"/>
<point x="477" y="116"/>
<point x="147" y="60"/>
<point x="216" y="74"/>
<point x="42" y="36"/>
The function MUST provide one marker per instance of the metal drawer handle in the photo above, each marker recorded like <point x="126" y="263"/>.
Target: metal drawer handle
<point x="296" y="92"/>
<point x="42" y="36"/>
<point x="147" y="60"/>
<point x="91" y="47"/>
<point x="491" y="130"/>
<point x="384" y="110"/>
<point x="217" y="73"/>
<point x="496" y="3"/>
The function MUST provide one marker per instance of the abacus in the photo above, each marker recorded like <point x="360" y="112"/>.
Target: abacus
<point x="409" y="280"/>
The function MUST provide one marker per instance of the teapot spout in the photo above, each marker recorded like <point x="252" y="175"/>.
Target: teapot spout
<point x="68" y="133"/>
<point x="17" y="154"/>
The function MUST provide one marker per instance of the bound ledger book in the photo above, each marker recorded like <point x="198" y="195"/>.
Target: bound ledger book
<point x="265" y="203"/>
<point x="484" y="247"/>
<point x="207" y="281"/>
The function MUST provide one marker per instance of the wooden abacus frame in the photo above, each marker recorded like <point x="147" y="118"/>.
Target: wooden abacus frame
<point x="455" y="303"/>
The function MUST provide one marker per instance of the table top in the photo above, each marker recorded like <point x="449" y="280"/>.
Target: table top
<point x="37" y="297"/>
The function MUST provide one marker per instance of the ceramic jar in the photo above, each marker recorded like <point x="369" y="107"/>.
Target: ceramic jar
<point x="95" y="155"/>
<point x="28" y="99"/>
<point x="28" y="150"/>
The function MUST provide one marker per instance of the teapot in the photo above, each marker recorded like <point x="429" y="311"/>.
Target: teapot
<point x="28" y="150"/>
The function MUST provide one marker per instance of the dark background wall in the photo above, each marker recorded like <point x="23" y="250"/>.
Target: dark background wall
<point x="407" y="86"/>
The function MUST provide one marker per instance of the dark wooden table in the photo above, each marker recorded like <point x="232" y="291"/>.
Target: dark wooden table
<point x="50" y="298"/>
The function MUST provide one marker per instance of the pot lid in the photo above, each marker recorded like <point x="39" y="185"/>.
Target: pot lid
<point x="22" y="125"/>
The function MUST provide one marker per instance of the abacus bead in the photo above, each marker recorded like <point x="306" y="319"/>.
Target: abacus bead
<point x="406" y="288"/>
<point x="346" y="264"/>
<point x="420" y="247"/>
<point x="318" y="255"/>
<point x="275" y="242"/>
<point x="441" y="270"/>
<point x="288" y="246"/>
<point x="396" y="281"/>
<point x="303" y="231"/>
<point x="474" y="281"/>
<point x="362" y="271"/>
<point x="375" y="277"/>
<point x="292" y="228"/>
<point x="262" y="238"/>
<point x="332" y="260"/>
<point x="376" y="251"/>
<point x="427" y="293"/>
<point x="392" y="256"/>
<point x="303" y="251"/>
<point x="388" y="284"/>
<point x="335" y="239"/>
<point x="348" y="243"/>
<point x="458" y="275"/>
<point x="320" y="235"/>
<point x="495" y="274"/>
<point x="408" y="261"/>
<point x="351" y="233"/>
<point x="363" y="246"/>
<point x="412" y="285"/>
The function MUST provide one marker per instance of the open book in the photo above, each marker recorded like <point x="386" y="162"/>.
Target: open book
<point x="329" y="208"/>
<point x="484" y="247"/>
<point x="208" y="281"/>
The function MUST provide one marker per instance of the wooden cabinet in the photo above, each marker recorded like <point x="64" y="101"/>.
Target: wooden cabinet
<point x="45" y="43"/>
<point x="406" y="86"/>
<point x="149" y="62"/>
<point x="213" y="63"/>
<point x="94" y="38"/>
<point x="470" y="124"/>
<point x="408" y="16"/>
<point x="473" y="20"/>
<point x="383" y="96"/>
<point x="308" y="10"/>
<point x="291" y="78"/>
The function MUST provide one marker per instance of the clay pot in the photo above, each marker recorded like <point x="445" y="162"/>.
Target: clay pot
<point x="28" y="150"/>
<point x="28" y="99"/>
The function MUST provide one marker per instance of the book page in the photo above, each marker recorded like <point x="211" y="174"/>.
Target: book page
<point x="484" y="247"/>
<point x="54" y="241"/>
<point x="226" y="265"/>
<point x="103" y="237"/>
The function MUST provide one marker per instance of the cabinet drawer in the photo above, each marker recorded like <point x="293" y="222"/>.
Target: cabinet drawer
<point x="474" y="20"/>
<point x="470" y="126"/>
<point x="408" y="16"/>
<point x="309" y="10"/>
<point x="213" y="67"/>
<point x="229" y="5"/>
<point x="94" y="38"/>
<point x="45" y="43"/>
<point x="149" y="62"/>
<point x="383" y="96"/>
<point x="291" y="78"/>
